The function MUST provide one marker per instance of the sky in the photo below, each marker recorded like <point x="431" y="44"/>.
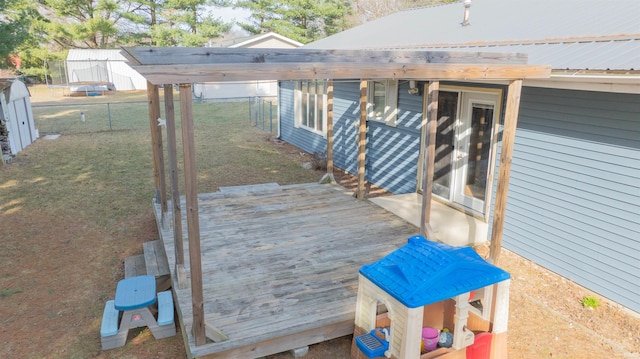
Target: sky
<point x="229" y="14"/>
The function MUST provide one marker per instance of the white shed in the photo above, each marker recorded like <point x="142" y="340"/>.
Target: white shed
<point x="17" y="126"/>
<point x="103" y="65"/>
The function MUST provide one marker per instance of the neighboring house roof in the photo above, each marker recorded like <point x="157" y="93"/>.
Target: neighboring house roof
<point x="251" y="41"/>
<point x="423" y="272"/>
<point x="95" y="54"/>
<point x="567" y="34"/>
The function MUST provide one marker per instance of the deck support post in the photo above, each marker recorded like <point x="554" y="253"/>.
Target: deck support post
<point x="429" y="158"/>
<point x="193" y="222"/>
<point x="156" y="146"/>
<point x="170" y="117"/>
<point x="362" y="140"/>
<point x="328" y="177"/>
<point x="508" y="140"/>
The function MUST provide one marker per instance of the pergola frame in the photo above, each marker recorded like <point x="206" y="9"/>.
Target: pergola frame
<point x="184" y="66"/>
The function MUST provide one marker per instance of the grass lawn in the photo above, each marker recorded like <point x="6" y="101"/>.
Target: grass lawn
<point x="73" y="208"/>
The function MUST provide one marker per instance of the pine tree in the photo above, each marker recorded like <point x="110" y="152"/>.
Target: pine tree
<point x="300" y="20"/>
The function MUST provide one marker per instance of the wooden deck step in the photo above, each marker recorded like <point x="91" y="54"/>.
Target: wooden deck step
<point x="155" y="259"/>
<point x="249" y="188"/>
<point x="134" y="266"/>
<point x="156" y="264"/>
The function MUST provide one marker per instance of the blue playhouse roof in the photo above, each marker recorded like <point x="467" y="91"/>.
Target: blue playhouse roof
<point x="423" y="272"/>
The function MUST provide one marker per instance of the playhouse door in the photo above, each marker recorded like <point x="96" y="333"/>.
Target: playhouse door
<point x="473" y="150"/>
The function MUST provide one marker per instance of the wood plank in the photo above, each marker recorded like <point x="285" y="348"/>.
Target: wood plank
<point x="281" y="273"/>
<point x="330" y="128"/>
<point x="430" y="158"/>
<point x="160" y="74"/>
<point x="155" y="259"/>
<point x="193" y="224"/>
<point x="134" y="266"/>
<point x="248" y="188"/>
<point x="156" y="143"/>
<point x="278" y="345"/>
<point x="504" y="172"/>
<point x="172" y="154"/>
<point x="194" y="56"/>
<point x="362" y="139"/>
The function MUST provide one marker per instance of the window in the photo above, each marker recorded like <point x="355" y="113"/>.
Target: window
<point x="382" y="98"/>
<point x="311" y="105"/>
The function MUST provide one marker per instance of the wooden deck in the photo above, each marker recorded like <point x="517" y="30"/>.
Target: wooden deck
<point x="280" y="265"/>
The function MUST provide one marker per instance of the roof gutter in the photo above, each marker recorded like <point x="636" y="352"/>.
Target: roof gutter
<point x="627" y="82"/>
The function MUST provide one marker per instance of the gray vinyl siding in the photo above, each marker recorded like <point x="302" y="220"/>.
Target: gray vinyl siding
<point x="574" y="193"/>
<point x="346" y="115"/>
<point x="308" y="141"/>
<point x="392" y="152"/>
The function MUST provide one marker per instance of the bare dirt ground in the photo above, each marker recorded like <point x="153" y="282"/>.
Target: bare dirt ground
<point x="57" y="272"/>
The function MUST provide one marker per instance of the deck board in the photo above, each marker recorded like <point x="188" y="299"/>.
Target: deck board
<point x="280" y="265"/>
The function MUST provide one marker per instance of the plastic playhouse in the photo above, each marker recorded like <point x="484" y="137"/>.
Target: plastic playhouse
<point x="429" y="300"/>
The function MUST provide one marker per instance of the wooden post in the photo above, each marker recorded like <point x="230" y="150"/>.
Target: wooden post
<point x="156" y="146"/>
<point x="508" y="139"/>
<point x="176" y="211"/>
<point x="429" y="159"/>
<point x="362" y="139"/>
<point x="328" y="177"/>
<point x="500" y="319"/>
<point x="330" y="127"/>
<point x="193" y="223"/>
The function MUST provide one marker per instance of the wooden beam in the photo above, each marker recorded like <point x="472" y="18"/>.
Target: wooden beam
<point x="362" y="139"/>
<point x="506" y="153"/>
<point x="203" y="55"/>
<point x="156" y="144"/>
<point x="172" y="149"/>
<point x="159" y="74"/>
<point x="330" y="127"/>
<point x="193" y="223"/>
<point x="328" y="177"/>
<point x="428" y="162"/>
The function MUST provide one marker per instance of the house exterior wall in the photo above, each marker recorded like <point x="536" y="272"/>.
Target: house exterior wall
<point x="303" y="139"/>
<point x="392" y="152"/>
<point x="234" y="89"/>
<point x="243" y="89"/>
<point x="272" y="43"/>
<point x="574" y="189"/>
<point x="346" y="117"/>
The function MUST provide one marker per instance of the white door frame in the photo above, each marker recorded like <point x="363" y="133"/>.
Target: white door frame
<point x="466" y="97"/>
<point x="469" y="100"/>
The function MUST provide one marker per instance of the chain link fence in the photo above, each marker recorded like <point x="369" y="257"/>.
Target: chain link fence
<point x="78" y="117"/>
<point x="263" y="112"/>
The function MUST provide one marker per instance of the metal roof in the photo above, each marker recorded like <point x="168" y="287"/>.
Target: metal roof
<point x="423" y="272"/>
<point x="567" y="34"/>
<point x="95" y="54"/>
<point x="621" y="54"/>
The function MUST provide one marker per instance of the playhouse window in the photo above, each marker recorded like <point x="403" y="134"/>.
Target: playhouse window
<point x="311" y="104"/>
<point x="480" y="301"/>
<point x="382" y="101"/>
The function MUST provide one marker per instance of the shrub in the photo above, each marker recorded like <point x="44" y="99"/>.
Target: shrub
<point x="590" y="302"/>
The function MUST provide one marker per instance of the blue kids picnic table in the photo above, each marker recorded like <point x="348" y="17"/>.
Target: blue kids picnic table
<point x="135" y="297"/>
